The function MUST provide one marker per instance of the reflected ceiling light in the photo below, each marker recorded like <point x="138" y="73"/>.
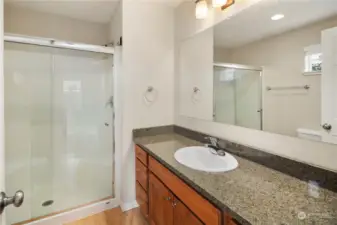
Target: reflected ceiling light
<point x="277" y="17"/>
<point x="219" y="3"/>
<point x="201" y="9"/>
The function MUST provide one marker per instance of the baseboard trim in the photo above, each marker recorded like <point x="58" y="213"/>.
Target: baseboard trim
<point x="77" y="214"/>
<point x="129" y="205"/>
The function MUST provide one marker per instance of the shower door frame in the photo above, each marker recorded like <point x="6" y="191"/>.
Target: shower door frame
<point x="243" y="67"/>
<point x="100" y="205"/>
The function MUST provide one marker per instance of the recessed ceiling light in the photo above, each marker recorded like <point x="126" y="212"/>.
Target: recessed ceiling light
<point x="277" y="17"/>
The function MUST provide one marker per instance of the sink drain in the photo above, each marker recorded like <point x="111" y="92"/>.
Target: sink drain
<point x="47" y="203"/>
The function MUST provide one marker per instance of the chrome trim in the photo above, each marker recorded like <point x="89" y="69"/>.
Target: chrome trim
<point x="238" y="66"/>
<point x="261" y="100"/>
<point x="49" y="42"/>
<point x="287" y="87"/>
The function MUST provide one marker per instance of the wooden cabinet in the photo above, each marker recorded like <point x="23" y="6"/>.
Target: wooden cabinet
<point x="229" y="220"/>
<point x="142" y="200"/>
<point x="165" y="199"/>
<point x="165" y="208"/>
<point x="141" y="155"/>
<point x="142" y="181"/>
<point x="205" y="211"/>
<point x="160" y="207"/>
<point x="182" y="215"/>
<point x="141" y="174"/>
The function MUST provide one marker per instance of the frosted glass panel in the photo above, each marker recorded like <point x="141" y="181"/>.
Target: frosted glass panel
<point x="248" y="98"/>
<point x="82" y="142"/>
<point x="224" y="95"/>
<point x="27" y="74"/>
<point x="58" y="127"/>
<point x="237" y="97"/>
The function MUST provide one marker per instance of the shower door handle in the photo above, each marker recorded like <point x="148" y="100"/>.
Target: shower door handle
<point x="15" y="200"/>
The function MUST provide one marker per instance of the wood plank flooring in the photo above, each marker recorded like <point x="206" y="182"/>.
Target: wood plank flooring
<point x="113" y="217"/>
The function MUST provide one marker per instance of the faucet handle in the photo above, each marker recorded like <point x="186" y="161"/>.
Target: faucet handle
<point x="213" y="140"/>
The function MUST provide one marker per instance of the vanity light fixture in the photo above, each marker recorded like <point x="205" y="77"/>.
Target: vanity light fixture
<point x="219" y="3"/>
<point x="228" y="3"/>
<point x="277" y="17"/>
<point x="201" y="9"/>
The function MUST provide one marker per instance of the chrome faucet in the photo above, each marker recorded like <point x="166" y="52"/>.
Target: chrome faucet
<point x="214" y="146"/>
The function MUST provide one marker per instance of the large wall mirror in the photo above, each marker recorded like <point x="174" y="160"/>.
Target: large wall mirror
<point x="272" y="67"/>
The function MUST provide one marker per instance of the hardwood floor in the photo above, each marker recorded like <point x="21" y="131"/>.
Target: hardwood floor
<point x="113" y="217"/>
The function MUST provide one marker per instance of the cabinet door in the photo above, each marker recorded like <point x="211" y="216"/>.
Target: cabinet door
<point x="182" y="215"/>
<point x="160" y="203"/>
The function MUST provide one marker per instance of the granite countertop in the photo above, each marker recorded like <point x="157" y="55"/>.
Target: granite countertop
<point x="252" y="194"/>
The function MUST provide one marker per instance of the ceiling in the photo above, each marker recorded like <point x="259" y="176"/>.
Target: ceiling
<point x="88" y="10"/>
<point x="255" y="22"/>
<point x="100" y="11"/>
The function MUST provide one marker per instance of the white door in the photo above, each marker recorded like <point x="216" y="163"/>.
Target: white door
<point x="329" y="86"/>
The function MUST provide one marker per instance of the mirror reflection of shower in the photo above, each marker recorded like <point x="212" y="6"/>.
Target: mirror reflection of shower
<point x="237" y="95"/>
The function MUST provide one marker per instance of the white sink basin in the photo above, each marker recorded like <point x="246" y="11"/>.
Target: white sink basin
<point x="200" y="158"/>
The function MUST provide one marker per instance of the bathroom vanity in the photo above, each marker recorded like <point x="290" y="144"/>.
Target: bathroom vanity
<point x="164" y="198"/>
<point x="171" y="193"/>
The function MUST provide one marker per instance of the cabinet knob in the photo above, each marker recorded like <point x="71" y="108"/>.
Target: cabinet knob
<point x="174" y="204"/>
<point x="167" y="198"/>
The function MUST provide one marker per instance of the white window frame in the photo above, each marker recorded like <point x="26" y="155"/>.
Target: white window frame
<point x="311" y="50"/>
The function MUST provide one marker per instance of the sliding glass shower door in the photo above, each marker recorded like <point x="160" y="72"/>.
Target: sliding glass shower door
<point x="58" y="128"/>
<point x="237" y="96"/>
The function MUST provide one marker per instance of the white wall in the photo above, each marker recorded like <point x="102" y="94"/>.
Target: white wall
<point x="148" y="60"/>
<point x="196" y="66"/>
<point x="315" y="153"/>
<point x="116" y="26"/>
<point x="186" y="25"/>
<point x="33" y="23"/>
<point x="115" y="32"/>
<point x="222" y="54"/>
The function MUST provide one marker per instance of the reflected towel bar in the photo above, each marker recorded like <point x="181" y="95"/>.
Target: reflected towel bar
<point x="289" y="87"/>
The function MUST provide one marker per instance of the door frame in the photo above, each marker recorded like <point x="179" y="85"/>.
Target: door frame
<point x="327" y="85"/>
<point x="2" y="110"/>
<point x="98" y="206"/>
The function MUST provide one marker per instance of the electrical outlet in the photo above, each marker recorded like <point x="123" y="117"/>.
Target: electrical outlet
<point x="313" y="189"/>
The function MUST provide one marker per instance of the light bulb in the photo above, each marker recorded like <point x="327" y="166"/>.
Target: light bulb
<point x="201" y="9"/>
<point x="219" y="3"/>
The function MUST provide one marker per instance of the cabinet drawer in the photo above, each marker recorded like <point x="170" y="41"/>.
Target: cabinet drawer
<point x="141" y="155"/>
<point x="141" y="174"/>
<point x="141" y="194"/>
<point x="203" y="209"/>
<point x="142" y="200"/>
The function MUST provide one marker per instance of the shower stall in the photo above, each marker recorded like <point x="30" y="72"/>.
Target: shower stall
<point x="59" y="126"/>
<point x="238" y="95"/>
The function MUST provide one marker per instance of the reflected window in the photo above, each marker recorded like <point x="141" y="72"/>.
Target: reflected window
<point x="313" y="59"/>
